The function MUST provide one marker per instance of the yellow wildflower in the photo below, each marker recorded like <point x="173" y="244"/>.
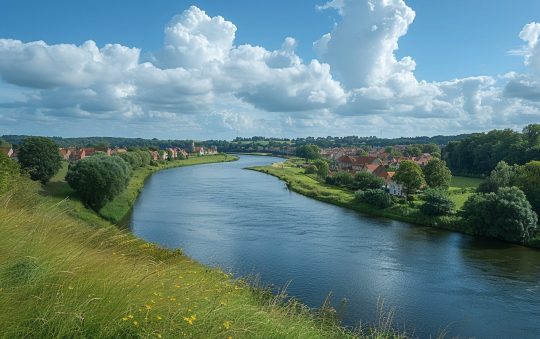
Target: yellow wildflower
<point x="158" y="317"/>
<point x="227" y="324"/>
<point x="136" y="323"/>
<point x="190" y="319"/>
<point x="148" y="307"/>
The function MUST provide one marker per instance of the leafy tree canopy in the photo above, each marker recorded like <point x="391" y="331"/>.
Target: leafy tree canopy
<point x="437" y="174"/>
<point x="410" y="175"/>
<point x="39" y="157"/>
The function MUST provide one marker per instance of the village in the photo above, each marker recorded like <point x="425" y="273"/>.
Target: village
<point x="73" y="154"/>
<point x="378" y="161"/>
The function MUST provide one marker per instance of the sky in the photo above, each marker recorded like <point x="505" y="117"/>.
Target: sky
<point x="221" y="69"/>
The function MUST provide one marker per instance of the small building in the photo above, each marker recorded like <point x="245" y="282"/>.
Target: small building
<point x="77" y="154"/>
<point x="65" y="153"/>
<point x="7" y="151"/>
<point x="198" y="151"/>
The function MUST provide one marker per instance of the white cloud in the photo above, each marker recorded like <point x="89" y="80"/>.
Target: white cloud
<point x="201" y="81"/>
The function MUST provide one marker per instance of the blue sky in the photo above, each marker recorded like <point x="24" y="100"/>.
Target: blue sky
<point x="447" y="40"/>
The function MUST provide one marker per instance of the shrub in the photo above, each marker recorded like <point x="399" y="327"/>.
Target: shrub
<point x="505" y="214"/>
<point x="364" y="180"/>
<point x="311" y="169"/>
<point x="145" y="158"/>
<point x="9" y="171"/>
<point x="375" y="197"/>
<point x="436" y="203"/>
<point x="98" y="179"/>
<point x="322" y="168"/>
<point x="132" y="158"/>
<point x="344" y="179"/>
<point x="39" y="157"/>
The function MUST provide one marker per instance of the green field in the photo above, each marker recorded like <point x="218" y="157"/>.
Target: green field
<point x="465" y="182"/>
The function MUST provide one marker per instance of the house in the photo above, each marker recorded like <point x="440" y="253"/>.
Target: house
<point x="154" y="155"/>
<point x="182" y="153"/>
<point x="105" y="150"/>
<point x="77" y="154"/>
<point x="198" y="151"/>
<point x="352" y="163"/>
<point x="7" y="151"/>
<point x="172" y="152"/>
<point x="393" y="187"/>
<point x="423" y="159"/>
<point x="65" y="153"/>
<point x="212" y="151"/>
<point x="118" y="151"/>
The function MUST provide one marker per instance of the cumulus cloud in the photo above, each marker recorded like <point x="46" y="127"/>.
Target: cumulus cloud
<point x="201" y="81"/>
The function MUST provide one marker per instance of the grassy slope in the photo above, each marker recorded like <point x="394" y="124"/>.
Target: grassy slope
<point x="62" y="276"/>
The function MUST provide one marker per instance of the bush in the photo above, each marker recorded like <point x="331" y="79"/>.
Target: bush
<point x="437" y="203"/>
<point x="311" y="169"/>
<point x="132" y="158"/>
<point x="505" y="214"/>
<point x="98" y="179"/>
<point x="39" y="157"/>
<point x="9" y="172"/>
<point x="322" y="168"/>
<point x="375" y="197"/>
<point x="364" y="180"/>
<point x="145" y="158"/>
<point x="344" y="179"/>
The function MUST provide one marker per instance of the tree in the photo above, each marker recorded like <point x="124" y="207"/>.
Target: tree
<point x="505" y="214"/>
<point x="308" y="152"/>
<point x="528" y="179"/>
<point x="410" y="175"/>
<point x="99" y="178"/>
<point x="344" y="179"/>
<point x="532" y="134"/>
<point x="132" y="158"/>
<point x="436" y="203"/>
<point x="437" y="175"/>
<point x="145" y="157"/>
<point x="364" y="180"/>
<point x="375" y="197"/>
<point x="310" y="169"/>
<point x="322" y="168"/>
<point x="413" y="151"/>
<point x="39" y="157"/>
<point x="503" y="175"/>
<point x="431" y="149"/>
<point x="9" y="172"/>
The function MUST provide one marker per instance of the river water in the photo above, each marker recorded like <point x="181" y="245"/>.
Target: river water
<point x="249" y="223"/>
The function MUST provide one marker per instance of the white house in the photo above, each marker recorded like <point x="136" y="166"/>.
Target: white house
<point x="395" y="189"/>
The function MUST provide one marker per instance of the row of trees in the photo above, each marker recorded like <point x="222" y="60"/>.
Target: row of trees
<point x="479" y="154"/>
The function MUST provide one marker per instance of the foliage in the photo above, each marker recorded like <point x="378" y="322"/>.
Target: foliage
<point x="505" y="214"/>
<point x="529" y="181"/>
<point x="413" y="151"/>
<point x="343" y="179"/>
<point x="437" y="174"/>
<point x="410" y="175"/>
<point x="480" y="153"/>
<point x="436" y="203"/>
<point x="364" y="180"/>
<point x="145" y="157"/>
<point x="322" y="168"/>
<point x="375" y="197"/>
<point x="503" y="175"/>
<point x="98" y="179"/>
<point x="9" y="173"/>
<point x="308" y="152"/>
<point x="132" y="158"/>
<point x="39" y="157"/>
<point x="311" y="169"/>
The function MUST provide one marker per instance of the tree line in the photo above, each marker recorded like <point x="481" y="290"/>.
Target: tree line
<point x="478" y="154"/>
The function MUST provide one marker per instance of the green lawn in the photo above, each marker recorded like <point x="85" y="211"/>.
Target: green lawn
<point x="465" y="182"/>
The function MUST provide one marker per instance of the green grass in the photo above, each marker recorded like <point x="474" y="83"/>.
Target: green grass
<point x="120" y="206"/>
<point x="465" y="182"/>
<point x="62" y="276"/>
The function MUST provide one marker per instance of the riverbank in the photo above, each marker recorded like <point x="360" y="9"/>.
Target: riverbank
<point x="63" y="275"/>
<point x="117" y="209"/>
<point x="310" y="186"/>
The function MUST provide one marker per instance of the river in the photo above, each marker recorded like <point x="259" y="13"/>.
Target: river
<point x="249" y="223"/>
